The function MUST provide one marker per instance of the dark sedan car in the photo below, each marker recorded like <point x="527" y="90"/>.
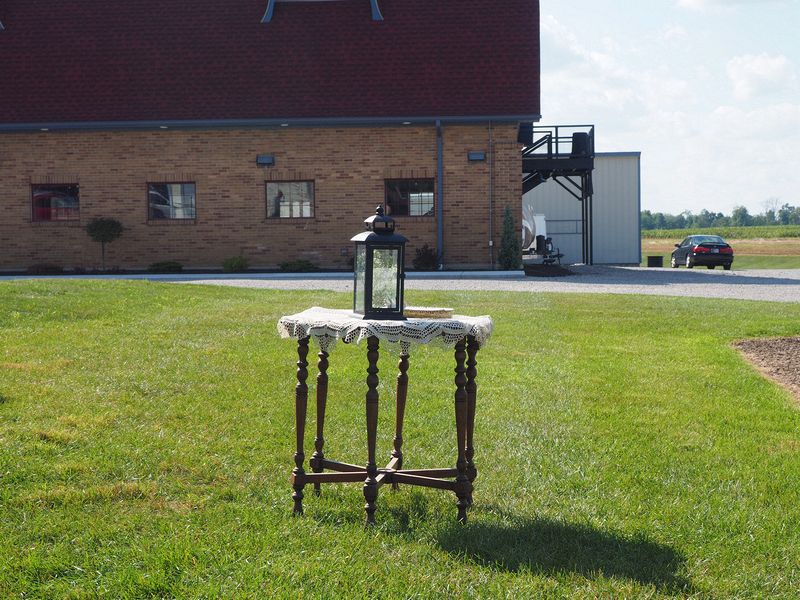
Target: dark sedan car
<point x="707" y="250"/>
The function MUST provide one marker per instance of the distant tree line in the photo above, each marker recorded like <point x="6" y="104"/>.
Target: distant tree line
<point x="740" y="217"/>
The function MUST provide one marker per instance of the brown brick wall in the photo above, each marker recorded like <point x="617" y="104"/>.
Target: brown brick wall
<point x="348" y="166"/>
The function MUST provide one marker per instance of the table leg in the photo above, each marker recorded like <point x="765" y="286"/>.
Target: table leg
<point x="472" y="392"/>
<point x="322" y="399"/>
<point x="300" y="406"/>
<point x="463" y="487"/>
<point x="402" y="393"/>
<point x="371" y="484"/>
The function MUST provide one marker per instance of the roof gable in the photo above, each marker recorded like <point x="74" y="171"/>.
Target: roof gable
<point x="144" y="60"/>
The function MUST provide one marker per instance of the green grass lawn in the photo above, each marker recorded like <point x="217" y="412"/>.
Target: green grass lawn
<point x="743" y="262"/>
<point x="624" y="450"/>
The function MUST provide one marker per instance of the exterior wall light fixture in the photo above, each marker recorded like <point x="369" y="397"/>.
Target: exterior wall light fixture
<point x="265" y="160"/>
<point x="477" y="156"/>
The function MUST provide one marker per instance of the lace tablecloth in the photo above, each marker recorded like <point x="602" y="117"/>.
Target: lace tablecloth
<point x="326" y="325"/>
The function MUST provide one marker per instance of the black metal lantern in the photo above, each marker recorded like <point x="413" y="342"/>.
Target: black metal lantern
<point x="378" y="274"/>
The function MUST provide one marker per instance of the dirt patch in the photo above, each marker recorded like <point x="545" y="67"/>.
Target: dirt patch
<point x="778" y="359"/>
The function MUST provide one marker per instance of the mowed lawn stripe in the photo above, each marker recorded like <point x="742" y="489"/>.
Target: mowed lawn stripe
<point x="624" y="448"/>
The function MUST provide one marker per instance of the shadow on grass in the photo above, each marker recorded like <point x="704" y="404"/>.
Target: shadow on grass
<point x="550" y="547"/>
<point x="496" y="539"/>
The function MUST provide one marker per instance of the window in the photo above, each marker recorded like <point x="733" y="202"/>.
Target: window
<point x="413" y="197"/>
<point x="55" y="202"/>
<point x="171" y="201"/>
<point x="290" y="199"/>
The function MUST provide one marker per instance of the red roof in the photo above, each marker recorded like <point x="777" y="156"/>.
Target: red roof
<point x="145" y="60"/>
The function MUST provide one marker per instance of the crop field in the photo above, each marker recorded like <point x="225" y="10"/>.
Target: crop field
<point x="734" y="233"/>
<point x="749" y="253"/>
<point x="624" y="447"/>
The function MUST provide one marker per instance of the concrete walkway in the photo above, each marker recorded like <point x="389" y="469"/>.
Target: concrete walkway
<point x="769" y="285"/>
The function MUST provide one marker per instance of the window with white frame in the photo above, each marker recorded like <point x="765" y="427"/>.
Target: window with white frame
<point x="290" y="199"/>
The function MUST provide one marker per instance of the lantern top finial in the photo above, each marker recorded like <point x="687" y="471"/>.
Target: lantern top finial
<point x="379" y="222"/>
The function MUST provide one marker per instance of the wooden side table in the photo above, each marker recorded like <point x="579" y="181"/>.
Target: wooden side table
<point x="465" y="334"/>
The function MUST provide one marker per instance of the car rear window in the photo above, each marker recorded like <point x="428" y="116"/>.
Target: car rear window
<point x="708" y="239"/>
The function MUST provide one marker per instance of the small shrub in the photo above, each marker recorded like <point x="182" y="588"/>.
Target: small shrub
<point x="166" y="266"/>
<point x="45" y="269"/>
<point x="298" y="266"/>
<point x="510" y="255"/>
<point x="426" y="259"/>
<point x="235" y="264"/>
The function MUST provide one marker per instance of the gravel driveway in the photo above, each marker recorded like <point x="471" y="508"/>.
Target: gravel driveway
<point x="771" y="285"/>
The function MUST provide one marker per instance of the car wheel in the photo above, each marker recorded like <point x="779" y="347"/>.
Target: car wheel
<point x="711" y="266"/>
<point x="673" y="263"/>
<point x="689" y="262"/>
<point x="726" y="267"/>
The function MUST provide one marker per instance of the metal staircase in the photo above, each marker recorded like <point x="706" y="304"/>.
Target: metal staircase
<point x="565" y="154"/>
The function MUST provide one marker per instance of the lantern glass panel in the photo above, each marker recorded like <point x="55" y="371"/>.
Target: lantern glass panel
<point x="385" y="266"/>
<point x="360" y="266"/>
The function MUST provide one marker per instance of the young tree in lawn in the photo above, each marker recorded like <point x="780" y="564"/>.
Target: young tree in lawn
<point x="104" y="231"/>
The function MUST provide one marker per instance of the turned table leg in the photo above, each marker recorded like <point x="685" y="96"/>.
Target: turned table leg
<point x="463" y="486"/>
<point x="402" y="393"/>
<point x="371" y="484"/>
<point x="300" y="405"/>
<point x="322" y="399"/>
<point x="472" y="392"/>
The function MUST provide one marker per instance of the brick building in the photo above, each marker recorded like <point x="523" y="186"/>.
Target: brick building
<point x="266" y="129"/>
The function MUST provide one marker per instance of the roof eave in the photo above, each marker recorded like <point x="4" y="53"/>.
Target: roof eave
<point x="260" y="123"/>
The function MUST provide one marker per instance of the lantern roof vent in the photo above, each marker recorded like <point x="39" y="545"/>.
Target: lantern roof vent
<point x="379" y="222"/>
<point x="380" y="229"/>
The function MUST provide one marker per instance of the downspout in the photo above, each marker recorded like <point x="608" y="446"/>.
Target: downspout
<point x="491" y="196"/>
<point x="439" y="194"/>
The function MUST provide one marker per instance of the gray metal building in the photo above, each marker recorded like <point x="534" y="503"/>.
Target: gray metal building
<point x="616" y="205"/>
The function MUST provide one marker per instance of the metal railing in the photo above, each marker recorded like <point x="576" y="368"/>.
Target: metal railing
<point x="561" y="141"/>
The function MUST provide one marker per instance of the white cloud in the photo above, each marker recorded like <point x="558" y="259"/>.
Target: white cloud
<point x="760" y="74"/>
<point x="732" y="157"/>
<point x="703" y="5"/>
<point x="674" y="33"/>
<point x="599" y="81"/>
<point x="702" y="146"/>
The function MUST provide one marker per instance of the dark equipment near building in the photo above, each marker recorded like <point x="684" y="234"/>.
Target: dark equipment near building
<point x="545" y="249"/>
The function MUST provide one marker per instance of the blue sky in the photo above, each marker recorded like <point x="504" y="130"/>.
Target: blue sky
<point x="707" y="90"/>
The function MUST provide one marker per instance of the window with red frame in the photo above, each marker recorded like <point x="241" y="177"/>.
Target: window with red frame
<point x="55" y="202"/>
